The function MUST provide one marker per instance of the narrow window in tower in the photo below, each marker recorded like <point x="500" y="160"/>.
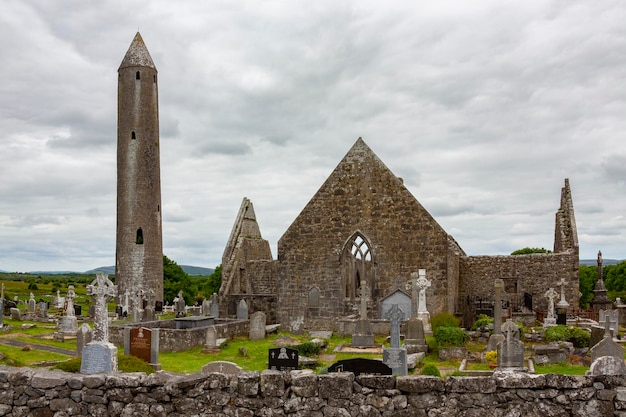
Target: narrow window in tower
<point x="137" y="76"/>
<point x="158" y="207"/>
<point x="139" y="238"/>
<point x="133" y="135"/>
<point x="154" y="78"/>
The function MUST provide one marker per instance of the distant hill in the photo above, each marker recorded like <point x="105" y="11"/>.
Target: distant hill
<point x="594" y="262"/>
<point x="191" y="270"/>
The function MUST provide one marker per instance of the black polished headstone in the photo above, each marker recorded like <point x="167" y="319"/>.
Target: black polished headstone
<point x="360" y="366"/>
<point x="283" y="359"/>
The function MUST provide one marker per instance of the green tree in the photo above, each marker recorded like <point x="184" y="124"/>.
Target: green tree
<point x="587" y="277"/>
<point x="175" y="280"/>
<point x="615" y="279"/>
<point x="213" y="283"/>
<point x="526" y="251"/>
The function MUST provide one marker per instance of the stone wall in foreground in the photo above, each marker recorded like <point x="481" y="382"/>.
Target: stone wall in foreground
<point x="27" y="392"/>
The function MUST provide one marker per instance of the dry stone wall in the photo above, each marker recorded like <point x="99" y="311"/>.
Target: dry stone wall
<point x="26" y="392"/>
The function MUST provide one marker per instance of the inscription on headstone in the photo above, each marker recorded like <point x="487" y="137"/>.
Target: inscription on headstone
<point x="140" y="343"/>
<point x="283" y="359"/>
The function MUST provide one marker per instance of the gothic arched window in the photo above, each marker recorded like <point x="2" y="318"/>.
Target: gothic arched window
<point x="357" y="261"/>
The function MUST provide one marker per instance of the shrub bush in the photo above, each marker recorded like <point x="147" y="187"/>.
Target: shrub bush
<point x="431" y="369"/>
<point x="444" y="320"/>
<point x="308" y="349"/>
<point x="482" y="320"/>
<point x="449" y="336"/>
<point x="579" y="337"/>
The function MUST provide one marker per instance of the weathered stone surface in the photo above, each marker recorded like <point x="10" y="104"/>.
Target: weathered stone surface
<point x="419" y="384"/>
<point x="248" y="383"/>
<point x="377" y="381"/>
<point x="48" y="380"/>
<point x="304" y="383"/>
<point x="272" y="383"/>
<point x="336" y="385"/>
<point x="471" y="384"/>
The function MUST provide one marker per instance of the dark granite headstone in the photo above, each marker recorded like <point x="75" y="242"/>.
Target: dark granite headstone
<point x="361" y="366"/>
<point x="283" y="359"/>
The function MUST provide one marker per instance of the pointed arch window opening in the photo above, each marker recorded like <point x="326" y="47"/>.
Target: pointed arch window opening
<point x="139" y="237"/>
<point x="357" y="265"/>
<point x="133" y="135"/>
<point x="138" y="75"/>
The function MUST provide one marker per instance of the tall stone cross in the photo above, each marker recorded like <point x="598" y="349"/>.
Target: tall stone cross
<point x="364" y="293"/>
<point x="422" y="283"/>
<point x="395" y="316"/>
<point x="69" y="312"/>
<point x="101" y="290"/>
<point x="498" y="286"/>
<point x="551" y="295"/>
<point x="562" y="283"/>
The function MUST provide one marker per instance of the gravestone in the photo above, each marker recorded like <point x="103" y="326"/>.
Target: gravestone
<point x="613" y="318"/>
<point x="418" y="284"/>
<point x="283" y="359"/>
<point x="100" y="355"/>
<point x="69" y="323"/>
<point x="143" y="343"/>
<point x="158" y="307"/>
<point x="206" y="308"/>
<point x="215" y="306"/>
<point x="511" y="349"/>
<point x="257" y="326"/>
<point x="363" y="336"/>
<point x="400" y="298"/>
<point x="607" y="347"/>
<point x="360" y="366"/>
<point x="98" y="358"/>
<point x="607" y="365"/>
<point x="83" y="337"/>
<point x="415" y="340"/>
<point x="242" y="310"/>
<point x="395" y="356"/>
<point x="15" y="314"/>
<point x="211" y="341"/>
<point x="43" y="309"/>
<point x="148" y="313"/>
<point x="223" y="367"/>
<point x="32" y="304"/>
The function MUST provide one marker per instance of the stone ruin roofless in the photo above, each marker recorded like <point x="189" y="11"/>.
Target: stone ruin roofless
<point x="364" y="224"/>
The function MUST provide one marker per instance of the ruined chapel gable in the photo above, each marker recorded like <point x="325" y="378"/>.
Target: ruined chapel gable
<point x="362" y="224"/>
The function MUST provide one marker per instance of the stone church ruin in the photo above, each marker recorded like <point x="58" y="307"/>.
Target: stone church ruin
<point x="363" y="224"/>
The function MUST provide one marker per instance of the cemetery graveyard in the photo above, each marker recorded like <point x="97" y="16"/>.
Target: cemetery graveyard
<point x="38" y="327"/>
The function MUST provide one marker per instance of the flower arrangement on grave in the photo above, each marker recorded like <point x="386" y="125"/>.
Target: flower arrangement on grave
<point x="491" y="357"/>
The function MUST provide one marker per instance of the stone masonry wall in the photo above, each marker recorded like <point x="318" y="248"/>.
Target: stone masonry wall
<point x="26" y="392"/>
<point x="533" y="273"/>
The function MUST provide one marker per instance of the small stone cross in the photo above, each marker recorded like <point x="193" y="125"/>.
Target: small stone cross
<point x="510" y="330"/>
<point x="562" y="282"/>
<point x="102" y="290"/>
<point x="395" y="315"/>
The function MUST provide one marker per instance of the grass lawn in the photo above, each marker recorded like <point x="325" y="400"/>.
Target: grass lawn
<point x="15" y="356"/>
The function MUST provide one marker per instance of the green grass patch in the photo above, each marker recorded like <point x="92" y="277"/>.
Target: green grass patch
<point x="16" y="356"/>
<point x="561" y="368"/>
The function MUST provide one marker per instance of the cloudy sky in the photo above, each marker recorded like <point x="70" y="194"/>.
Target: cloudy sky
<point x="482" y="107"/>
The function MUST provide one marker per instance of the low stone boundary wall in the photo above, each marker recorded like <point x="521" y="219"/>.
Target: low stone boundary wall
<point x="27" y="392"/>
<point x="178" y="340"/>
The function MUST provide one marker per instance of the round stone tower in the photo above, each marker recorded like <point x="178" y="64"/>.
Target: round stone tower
<point x="139" y="244"/>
